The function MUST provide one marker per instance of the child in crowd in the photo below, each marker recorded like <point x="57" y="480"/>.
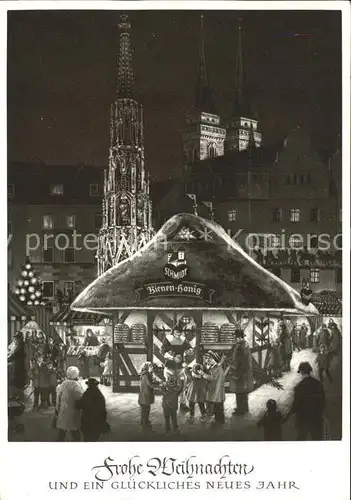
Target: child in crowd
<point x="197" y="391"/>
<point x="276" y="360"/>
<point x="215" y="393"/>
<point x="170" y="395"/>
<point x="52" y="381"/>
<point x="39" y="375"/>
<point x="323" y="362"/>
<point x="107" y="370"/>
<point x="146" y="394"/>
<point x="272" y="422"/>
<point x="185" y="377"/>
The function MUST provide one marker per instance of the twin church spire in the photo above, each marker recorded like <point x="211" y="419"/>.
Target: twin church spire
<point x="204" y="135"/>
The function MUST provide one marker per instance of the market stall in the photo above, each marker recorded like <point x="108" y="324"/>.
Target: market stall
<point x="83" y="334"/>
<point x="18" y="314"/>
<point x="191" y="272"/>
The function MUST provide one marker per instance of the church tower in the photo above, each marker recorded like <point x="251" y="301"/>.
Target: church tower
<point x="242" y="126"/>
<point x="203" y="137"/>
<point x="126" y="206"/>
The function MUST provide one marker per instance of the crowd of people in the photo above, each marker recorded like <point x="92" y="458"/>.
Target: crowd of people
<point x="183" y="384"/>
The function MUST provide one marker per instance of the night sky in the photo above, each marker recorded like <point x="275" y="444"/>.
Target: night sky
<point x="62" y="73"/>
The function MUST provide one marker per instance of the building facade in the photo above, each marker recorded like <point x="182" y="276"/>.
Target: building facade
<point x="282" y="203"/>
<point x="54" y="216"/>
<point x="203" y="136"/>
<point x="126" y="207"/>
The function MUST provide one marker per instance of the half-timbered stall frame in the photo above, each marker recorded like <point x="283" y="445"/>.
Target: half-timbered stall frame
<point x="194" y="272"/>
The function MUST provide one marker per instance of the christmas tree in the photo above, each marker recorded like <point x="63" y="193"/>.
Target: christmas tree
<point x="29" y="288"/>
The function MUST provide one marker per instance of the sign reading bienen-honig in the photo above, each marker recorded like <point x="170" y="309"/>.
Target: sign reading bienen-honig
<point x="176" y="269"/>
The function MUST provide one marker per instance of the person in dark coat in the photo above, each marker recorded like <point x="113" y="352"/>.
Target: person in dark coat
<point x="295" y="338"/>
<point x="308" y="405"/>
<point x="335" y="339"/>
<point x="171" y="390"/>
<point x="323" y="362"/>
<point x="17" y="358"/>
<point x="286" y="346"/>
<point x="147" y="393"/>
<point x="272" y="422"/>
<point x="104" y="349"/>
<point x="39" y="380"/>
<point x="91" y="339"/>
<point x="94" y="416"/>
<point x="323" y="337"/>
<point x="83" y="361"/>
<point x="303" y="332"/>
<point x="53" y="351"/>
<point x="215" y="391"/>
<point x="52" y="383"/>
<point x="241" y="380"/>
<point x="196" y="393"/>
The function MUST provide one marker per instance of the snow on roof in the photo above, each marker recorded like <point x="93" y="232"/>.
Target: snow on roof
<point x="213" y="259"/>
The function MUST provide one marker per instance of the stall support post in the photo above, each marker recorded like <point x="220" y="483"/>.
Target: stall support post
<point x="198" y="350"/>
<point x="115" y="365"/>
<point x="149" y="344"/>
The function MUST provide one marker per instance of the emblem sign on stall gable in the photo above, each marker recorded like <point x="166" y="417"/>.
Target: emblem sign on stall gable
<point x="176" y="267"/>
<point x="176" y="271"/>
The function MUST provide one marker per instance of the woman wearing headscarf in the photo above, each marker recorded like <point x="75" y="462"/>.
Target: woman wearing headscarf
<point x="91" y="339"/>
<point x="67" y="415"/>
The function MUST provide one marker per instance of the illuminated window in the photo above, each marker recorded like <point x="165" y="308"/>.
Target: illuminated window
<point x="212" y="152"/>
<point x="48" y="255"/>
<point x="274" y="240"/>
<point x="94" y="190"/>
<point x="241" y="182"/>
<point x="232" y="215"/>
<point x="48" y="222"/>
<point x="56" y="189"/>
<point x="68" y="287"/>
<point x="48" y="289"/>
<point x="314" y="275"/>
<point x="71" y="221"/>
<point x="296" y="242"/>
<point x="315" y="215"/>
<point x="294" y="215"/>
<point x="295" y="276"/>
<point x="69" y="255"/>
<point x="277" y="215"/>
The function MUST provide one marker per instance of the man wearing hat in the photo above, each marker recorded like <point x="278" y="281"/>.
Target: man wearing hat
<point x="308" y="405"/>
<point x="241" y="380"/>
<point x="93" y="406"/>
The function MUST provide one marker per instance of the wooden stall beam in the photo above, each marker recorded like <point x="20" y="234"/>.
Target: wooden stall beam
<point x="150" y="317"/>
<point x="198" y="318"/>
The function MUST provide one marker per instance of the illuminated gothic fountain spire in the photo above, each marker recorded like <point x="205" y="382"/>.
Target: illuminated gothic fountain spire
<point x="126" y="206"/>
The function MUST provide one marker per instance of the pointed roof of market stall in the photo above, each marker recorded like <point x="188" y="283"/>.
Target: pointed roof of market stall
<point x="191" y="263"/>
